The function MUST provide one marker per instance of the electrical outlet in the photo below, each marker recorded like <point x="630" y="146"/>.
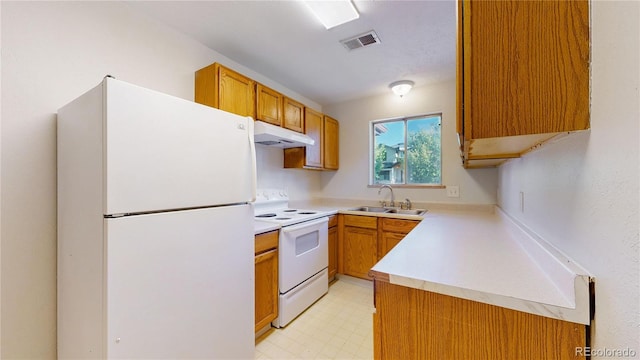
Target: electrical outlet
<point x="453" y="191"/>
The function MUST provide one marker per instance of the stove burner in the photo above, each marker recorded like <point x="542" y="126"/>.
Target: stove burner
<point x="289" y="210"/>
<point x="307" y="212"/>
<point x="266" y="215"/>
<point x="283" y="218"/>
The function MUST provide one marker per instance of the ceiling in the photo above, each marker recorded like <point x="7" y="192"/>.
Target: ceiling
<point x="284" y="42"/>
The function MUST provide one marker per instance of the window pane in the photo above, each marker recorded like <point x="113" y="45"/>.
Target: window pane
<point x="423" y="151"/>
<point x="419" y="162"/>
<point x="389" y="153"/>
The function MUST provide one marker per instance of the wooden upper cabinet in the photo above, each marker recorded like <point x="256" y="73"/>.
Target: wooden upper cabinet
<point x="331" y="149"/>
<point x="268" y="105"/>
<point x="293" y="112"/>
<point x="310" y="156"/>
<point x="314" y="128"/>
<point x="523" y="74"/>
<point x="225" y="89"/>
<point x="324" y="154"/>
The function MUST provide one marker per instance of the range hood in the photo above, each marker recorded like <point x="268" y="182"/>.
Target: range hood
<point x="271" y="135"/>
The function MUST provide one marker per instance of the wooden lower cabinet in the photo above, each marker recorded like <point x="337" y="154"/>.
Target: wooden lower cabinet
<point x="359" y="251"/>
<point x="266" y="279"/>
<point x="359" y="245"/>
<point x="391" y="232"/>
<point x="364" y="240"/>
<point x="333" y="247"/>
<point x="415" y="324"/>
<point x="387" y="241"/>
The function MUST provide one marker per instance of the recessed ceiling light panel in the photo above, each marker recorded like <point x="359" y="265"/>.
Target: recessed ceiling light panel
<point x="333" y="13"/>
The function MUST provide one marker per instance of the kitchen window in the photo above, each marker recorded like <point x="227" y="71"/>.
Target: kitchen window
<point x="406" y="151"/>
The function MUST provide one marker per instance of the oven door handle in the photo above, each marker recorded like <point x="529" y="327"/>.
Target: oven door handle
<point x="302" y="225"/>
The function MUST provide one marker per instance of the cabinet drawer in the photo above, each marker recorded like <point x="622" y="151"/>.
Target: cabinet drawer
<point x="266" y="241"/>
<point x="369" y="222"/>
<point x="398" y="225"/>
<point x="333" y="221"/>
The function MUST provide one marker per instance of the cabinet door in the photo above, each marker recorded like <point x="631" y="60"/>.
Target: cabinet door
<point x="333" y="252"/>
<point x="293" y="113"/>
<point x="387" y="241"/>
<point x="236" y="93"/>
<point x="313" y="123"/>
<point x="360" y="253"/>
<point x="266" y="287"/>
<point x="398" y="225"/>
<point x="225" y="89"/>
<point x="268" y="105"/>
<point x="512" y="97"/>
<point x="331" y="150"/>
<point x="542" y="87"/>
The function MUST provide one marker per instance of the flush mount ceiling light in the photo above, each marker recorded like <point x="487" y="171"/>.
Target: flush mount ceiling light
<point x="334" y="12"/>
<point x="402" y="87"/>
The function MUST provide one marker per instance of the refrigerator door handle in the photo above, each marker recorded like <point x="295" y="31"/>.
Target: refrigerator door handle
<point x="254" y="165"/>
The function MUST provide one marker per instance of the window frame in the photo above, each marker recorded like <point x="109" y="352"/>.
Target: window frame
<point x="371" y="151"/>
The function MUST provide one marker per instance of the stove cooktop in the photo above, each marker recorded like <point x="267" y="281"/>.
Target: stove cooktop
<point x="289" y="216"/>
<point x="273" y="206"/>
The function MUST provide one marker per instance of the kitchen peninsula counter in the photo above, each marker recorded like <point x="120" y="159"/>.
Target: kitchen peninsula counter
<point x="488" y="258"/>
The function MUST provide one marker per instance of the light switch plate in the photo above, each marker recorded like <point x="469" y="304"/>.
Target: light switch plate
<point x="453" y="191"/>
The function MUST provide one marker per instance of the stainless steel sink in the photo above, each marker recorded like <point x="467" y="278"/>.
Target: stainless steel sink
<point x="389" y="210"/>
<point x="407" y="212"/>
<point x="371" y="209"/>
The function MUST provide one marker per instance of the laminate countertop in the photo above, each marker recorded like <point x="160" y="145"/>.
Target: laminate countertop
<point x="489" y="258"/>
<point x="478" y="253"/>
<point x="260" y="227"/>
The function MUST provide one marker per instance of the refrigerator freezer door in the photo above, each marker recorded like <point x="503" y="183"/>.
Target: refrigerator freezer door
<point x="164" y="152"/>
<point x="180" y="285"/>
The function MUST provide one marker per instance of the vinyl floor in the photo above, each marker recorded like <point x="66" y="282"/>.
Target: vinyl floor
<point x="338" y="326"/>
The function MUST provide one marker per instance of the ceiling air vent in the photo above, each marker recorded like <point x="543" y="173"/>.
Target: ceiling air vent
<point x="362" y="40"/>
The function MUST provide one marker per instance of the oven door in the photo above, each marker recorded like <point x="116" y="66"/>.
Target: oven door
<point x="303" y="252"/>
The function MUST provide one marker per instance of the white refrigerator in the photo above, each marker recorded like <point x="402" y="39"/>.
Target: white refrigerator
<point x="155" y="227"/>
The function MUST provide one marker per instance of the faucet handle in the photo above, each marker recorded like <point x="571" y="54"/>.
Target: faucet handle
<point x="408" y="203"/>
<point x="383" y="203"/>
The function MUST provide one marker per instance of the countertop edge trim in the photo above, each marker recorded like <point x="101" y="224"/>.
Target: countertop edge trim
<point x="531" y="307"/>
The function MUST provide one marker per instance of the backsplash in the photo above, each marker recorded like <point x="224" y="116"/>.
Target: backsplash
<point x="300" y="184"/>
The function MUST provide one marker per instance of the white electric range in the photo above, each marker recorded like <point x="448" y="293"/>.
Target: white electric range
<point x="303" y="254"/>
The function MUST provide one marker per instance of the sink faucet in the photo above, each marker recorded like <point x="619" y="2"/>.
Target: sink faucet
<point x="391" y="190"/>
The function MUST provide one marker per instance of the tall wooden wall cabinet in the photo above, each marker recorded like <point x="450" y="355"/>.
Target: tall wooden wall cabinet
<point x="523" y="75"/>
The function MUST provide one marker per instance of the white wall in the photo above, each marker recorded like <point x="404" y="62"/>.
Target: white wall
<point x="52" y="52"/>
<point x="581" y="193"/>
<point x="300" y="184"/>
<point x="477" y="186"/>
